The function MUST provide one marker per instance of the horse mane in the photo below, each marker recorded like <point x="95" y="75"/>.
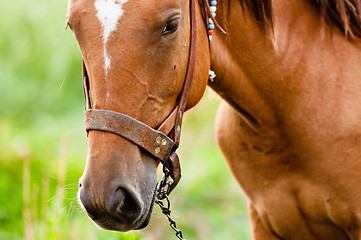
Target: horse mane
<point x="261" y="10"/>
<point x="344" y="14"/>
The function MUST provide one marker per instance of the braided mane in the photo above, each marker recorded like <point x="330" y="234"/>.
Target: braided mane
<point x="344" y="14"/>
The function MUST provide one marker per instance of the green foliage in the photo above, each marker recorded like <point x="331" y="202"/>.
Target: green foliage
<point x="43" y="144"/>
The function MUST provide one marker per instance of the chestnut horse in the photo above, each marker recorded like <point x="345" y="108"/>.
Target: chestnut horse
<point x="289" y="125"/>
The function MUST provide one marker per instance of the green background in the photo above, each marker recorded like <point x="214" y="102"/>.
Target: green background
<point x="43" y="144"/>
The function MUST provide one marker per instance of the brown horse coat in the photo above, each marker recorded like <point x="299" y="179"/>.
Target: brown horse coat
<point x="289" y="127"/>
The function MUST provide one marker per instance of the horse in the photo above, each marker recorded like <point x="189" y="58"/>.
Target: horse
<point x="288" y="125"/>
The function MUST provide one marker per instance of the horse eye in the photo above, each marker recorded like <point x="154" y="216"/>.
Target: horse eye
<point x="171" y="26"/>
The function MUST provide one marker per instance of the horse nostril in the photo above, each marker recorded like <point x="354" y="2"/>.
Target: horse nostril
<point x="123" y="206"/>
<point x="119" y="198"/>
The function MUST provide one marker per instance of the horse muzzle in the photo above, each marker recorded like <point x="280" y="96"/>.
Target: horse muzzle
<point x="121" y="210"/>
<point x="117" y="189"/>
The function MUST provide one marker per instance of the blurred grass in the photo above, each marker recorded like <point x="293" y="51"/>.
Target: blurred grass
<point x="43" y="145"/>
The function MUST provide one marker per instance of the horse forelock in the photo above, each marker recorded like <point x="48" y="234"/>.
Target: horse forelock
<point x="344" y="14"/>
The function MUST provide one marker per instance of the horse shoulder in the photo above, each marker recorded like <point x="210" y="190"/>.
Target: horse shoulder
<point x="275" y="179"/>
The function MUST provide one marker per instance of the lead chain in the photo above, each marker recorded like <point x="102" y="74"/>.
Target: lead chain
<point x="162" y="193"/>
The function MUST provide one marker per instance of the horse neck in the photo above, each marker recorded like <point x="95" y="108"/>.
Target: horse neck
<point x="232" y="57"/>
<point x="267" y="77"/>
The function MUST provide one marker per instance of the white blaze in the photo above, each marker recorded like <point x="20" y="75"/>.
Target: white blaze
<point x="108" y="13"/>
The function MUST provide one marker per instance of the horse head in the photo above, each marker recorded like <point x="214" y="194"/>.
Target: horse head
<point x="136" y="55"/>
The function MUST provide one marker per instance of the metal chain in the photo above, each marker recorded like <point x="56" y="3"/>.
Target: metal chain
<point x="162" y="193"/>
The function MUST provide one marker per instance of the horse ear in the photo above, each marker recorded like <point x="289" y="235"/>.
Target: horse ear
<point x="67" y="25"/>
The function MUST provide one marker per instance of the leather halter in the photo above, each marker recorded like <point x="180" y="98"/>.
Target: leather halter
<point x="155" y="141"/>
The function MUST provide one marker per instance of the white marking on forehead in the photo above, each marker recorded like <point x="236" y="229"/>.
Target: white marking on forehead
<point x="108" y="13"/>
<point x="106" y="59"/>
